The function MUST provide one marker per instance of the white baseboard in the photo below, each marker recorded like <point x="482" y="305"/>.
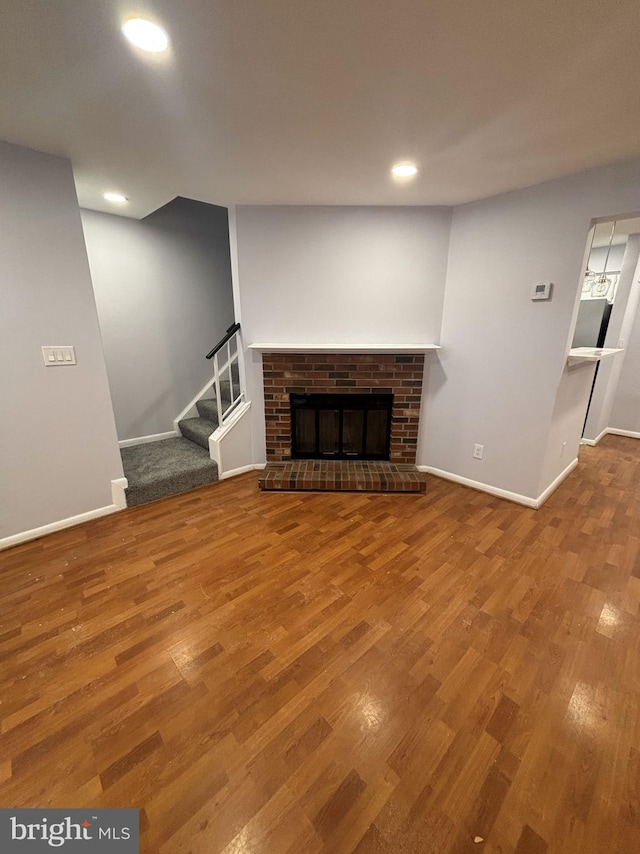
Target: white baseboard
<point x="556" y="483"/>
<point x="630" y="434"/>
<point x="118" y="492"/>
<point x="534" y="503"/>
<point x="593" y="442"/>
<point x="144" y="440"/>
<point x="35" y="533"/>
<point x="482" y="487"/>
<point x="242" y="470"/>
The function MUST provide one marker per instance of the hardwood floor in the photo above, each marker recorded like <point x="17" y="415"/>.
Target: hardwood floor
<point x="294" y="672"/>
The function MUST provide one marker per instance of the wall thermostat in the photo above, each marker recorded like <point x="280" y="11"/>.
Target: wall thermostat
<point x="542" y="291"/>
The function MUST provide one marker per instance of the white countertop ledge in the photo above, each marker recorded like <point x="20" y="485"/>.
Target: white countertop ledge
<point x="579" y="355"/>
<point x="343" y="348"/>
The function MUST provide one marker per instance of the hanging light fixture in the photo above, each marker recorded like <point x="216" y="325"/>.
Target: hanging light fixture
<point x="600" y="287"/>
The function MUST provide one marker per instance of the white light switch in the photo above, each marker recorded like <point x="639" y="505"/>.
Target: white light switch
<point x="59" y="355"/>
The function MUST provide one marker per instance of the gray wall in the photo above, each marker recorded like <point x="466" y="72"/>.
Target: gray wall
<point x="164" y="296"/>
<point x="58" y="447"/>
<point x="337" y="275"/>
<point x="343" y="275"/>
<point x="502" y="379"/>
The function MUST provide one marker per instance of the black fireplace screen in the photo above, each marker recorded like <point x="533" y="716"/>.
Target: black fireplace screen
<point x="341" y="426"/>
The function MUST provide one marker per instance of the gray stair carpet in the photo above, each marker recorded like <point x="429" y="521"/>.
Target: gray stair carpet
<point x="197" y="430"/>
<point x="207" y="408"/>
<point x="159" y="469"/>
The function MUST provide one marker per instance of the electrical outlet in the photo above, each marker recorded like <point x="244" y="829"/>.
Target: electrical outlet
<point x="478" y="451"/>
<point x="563" y="449"/>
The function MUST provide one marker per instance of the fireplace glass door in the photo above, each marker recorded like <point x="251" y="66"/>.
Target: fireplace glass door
<point x="341" y="426"/>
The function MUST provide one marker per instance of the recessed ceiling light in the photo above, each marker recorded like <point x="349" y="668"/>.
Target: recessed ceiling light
<point x="404" y="170"/>
<point x="146" y="35"/>
<point x="116" y="198"/>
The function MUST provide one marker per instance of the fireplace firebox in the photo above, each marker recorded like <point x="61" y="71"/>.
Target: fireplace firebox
<point x="341" y="426"/>
<point x="340" y="374"/>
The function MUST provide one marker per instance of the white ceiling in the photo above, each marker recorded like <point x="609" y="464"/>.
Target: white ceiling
<point x="311" y="101"/>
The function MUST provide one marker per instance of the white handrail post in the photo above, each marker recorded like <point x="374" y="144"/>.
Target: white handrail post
<point x="216" y="381"/>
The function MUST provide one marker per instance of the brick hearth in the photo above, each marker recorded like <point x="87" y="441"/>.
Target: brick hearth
<point x="342" y="476"/>
<point x="330" y="373"/>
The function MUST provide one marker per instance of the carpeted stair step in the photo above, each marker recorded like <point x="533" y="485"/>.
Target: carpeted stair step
<point x="225" y="393"/>
<point x="207" y="406"/>
<point x="197" y="430"/>
<point x="159" y="469"/>
<point x="207" y="409"/>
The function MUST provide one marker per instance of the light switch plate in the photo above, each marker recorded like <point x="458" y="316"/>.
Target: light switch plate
<point x="58" y="355"/>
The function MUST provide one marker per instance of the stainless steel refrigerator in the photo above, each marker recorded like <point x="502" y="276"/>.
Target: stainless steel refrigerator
<point x="593" y="319"/>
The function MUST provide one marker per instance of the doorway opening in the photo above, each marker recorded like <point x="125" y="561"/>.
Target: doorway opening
<point x="607" y="315"/>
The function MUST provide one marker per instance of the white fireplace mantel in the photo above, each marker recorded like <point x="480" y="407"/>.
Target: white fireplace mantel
<point x="343" y="348"/>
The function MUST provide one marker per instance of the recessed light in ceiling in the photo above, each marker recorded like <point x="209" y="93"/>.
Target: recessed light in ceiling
<point x="404" y="170"/>
<point x="116" y="198"/>
<point x="146" y="35"/>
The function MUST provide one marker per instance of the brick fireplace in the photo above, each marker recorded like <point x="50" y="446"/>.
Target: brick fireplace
<point x="343" y="373"/>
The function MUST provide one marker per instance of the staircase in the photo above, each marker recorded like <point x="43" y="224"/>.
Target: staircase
<point x="158" y="469"/>
<point x="199" y="429"/>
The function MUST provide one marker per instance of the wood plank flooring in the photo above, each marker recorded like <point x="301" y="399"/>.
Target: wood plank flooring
<point x="290" y="673"/>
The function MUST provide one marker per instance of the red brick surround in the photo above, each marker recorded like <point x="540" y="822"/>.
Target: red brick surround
<point x="331" y="373"/>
